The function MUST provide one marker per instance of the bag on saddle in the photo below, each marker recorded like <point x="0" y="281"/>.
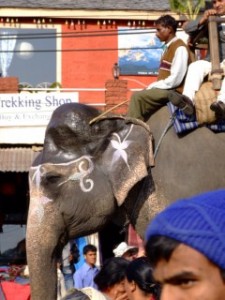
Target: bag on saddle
<point x="203" y="99"/>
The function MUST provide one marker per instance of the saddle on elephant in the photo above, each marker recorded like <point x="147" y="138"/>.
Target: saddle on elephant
<point x="203" y="99"/>
<point x="204" y="116"/>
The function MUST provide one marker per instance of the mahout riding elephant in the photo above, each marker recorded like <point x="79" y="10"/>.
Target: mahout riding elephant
<point x="92" y="170"/>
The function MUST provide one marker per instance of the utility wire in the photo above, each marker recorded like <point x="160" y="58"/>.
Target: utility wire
<point x="75" y="34"/>
<point x="86" y="34"/>
<point x="79" y="50"/>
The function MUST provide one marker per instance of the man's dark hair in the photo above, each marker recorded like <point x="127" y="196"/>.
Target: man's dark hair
<point x="113" y="271"/>
<point x="162" y="247"/>
<point x="140" y="271"/>
<point x="89" y="248"/>
<point x="167" y="21"/>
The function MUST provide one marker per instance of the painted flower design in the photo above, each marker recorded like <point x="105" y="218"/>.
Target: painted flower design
<point x="121" y="146"/>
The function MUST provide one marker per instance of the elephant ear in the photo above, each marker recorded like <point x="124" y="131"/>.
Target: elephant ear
<point x="127" y="158"/>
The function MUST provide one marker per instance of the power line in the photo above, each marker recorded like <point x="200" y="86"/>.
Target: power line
<point x="89" y="34"/>
<point x="79" y="50"/>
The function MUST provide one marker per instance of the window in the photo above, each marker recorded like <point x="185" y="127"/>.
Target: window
<point x="29" y="54"/>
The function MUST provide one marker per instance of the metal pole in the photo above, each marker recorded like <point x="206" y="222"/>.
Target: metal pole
<point x="217" y="72"/>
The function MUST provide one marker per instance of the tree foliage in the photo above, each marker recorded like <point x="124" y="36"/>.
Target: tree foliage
<point x="189" y="7"/>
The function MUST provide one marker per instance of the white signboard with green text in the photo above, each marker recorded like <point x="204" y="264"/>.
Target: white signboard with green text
<point x="24" y="116"/>
<point x="31" y="109"/>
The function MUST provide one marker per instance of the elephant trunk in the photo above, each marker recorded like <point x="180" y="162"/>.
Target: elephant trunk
<point x="42" y="269"/>
<point x="45" y="228"/>
<point x="42" y="257"/>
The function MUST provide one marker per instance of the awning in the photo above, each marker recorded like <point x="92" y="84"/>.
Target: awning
<point x="17" y="159"/>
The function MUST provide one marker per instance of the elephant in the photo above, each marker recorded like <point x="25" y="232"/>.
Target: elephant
<point x="186" y="164"/>
<point x="92" y="169"/>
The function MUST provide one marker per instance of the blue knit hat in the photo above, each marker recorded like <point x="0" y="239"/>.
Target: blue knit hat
<point x="198" y="222"/>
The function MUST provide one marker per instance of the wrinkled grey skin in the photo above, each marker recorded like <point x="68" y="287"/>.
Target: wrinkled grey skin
<point x="85" y="176"/>
<point x="187" y="165"/>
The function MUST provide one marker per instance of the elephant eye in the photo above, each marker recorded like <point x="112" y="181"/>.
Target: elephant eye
<point x="51" y="178"/>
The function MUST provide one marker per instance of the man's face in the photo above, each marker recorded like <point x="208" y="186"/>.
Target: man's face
<point x="119" y="291"/>
<point x="130" y="254"/>
<point x="163" y="33"/>
<point x="189" y="275"/>
<point x="90" y="258"/>
<point x="219" y="6"/>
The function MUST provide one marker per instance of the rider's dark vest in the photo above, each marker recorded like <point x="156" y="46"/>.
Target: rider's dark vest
<point x="166" y="62"/>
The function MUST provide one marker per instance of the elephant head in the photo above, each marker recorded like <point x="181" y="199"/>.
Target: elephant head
<point x="86" y="173"/>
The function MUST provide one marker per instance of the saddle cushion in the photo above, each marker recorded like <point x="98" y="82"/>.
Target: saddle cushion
<point x="203" y="99"/>
<point x="183" y="123"/>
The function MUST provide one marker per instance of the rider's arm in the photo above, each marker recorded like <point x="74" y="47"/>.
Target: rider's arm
<point x="193" y="26"/>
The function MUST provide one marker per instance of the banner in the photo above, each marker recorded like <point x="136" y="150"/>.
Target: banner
<point x="31" y="109"/>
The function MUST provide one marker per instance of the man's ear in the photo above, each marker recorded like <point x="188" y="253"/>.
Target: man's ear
<point x="170" y="28"/>
<point x="133" y="285"/>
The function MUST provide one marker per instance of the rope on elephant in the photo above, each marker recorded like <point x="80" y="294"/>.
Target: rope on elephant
<point x="168" y="126"/>
<point x="106" y="112"/>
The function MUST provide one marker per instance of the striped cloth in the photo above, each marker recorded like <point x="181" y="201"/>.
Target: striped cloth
<point x="183" y="123"/>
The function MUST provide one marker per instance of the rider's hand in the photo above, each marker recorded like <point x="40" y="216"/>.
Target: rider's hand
<point x="206" y="15"/>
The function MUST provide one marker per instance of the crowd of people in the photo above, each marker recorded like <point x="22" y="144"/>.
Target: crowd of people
<point x="184" y="257"/>
<point x="121" y="277"/>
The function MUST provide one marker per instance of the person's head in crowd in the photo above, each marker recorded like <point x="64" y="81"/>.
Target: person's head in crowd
<point x="139" y="283"/>
<point x="185" y="244"/>
<point x="93" y="293"/>
<point x="111" y="278"/>
<point x="90" y="254"/>
<point x="125" y="251"/>
<point x="75" y="294"/>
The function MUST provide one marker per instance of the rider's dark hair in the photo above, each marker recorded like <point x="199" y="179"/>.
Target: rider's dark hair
<point x="167" y="21"/>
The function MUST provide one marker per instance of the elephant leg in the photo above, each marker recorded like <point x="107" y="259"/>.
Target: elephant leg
<point x="152" y="206"/>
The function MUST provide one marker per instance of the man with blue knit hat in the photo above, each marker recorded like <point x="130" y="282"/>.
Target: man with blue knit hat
<point x="186" y="246"/>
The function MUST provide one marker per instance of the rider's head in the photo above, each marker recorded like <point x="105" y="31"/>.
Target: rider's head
<point x="166" y="27"/>
<point x="219" y="6"/>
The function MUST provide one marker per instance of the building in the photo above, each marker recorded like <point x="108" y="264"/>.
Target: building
<point x="71" y="46"/>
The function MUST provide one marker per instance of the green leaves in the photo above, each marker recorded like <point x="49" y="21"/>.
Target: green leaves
<point x="189" y="7"/>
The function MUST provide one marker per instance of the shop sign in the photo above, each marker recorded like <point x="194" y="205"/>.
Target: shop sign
<point x="31" y="109"/>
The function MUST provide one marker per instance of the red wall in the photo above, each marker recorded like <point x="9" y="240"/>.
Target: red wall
<point x="91" y="69"/>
